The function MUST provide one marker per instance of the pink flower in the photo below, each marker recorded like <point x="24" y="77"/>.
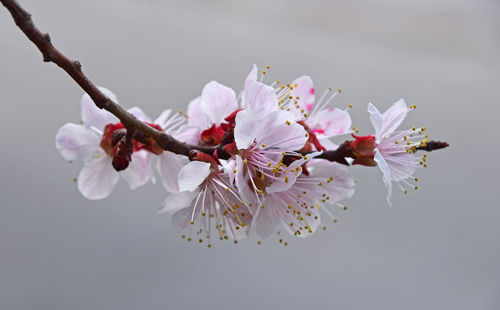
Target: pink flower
<point x="93" y="143"/>
<point x="394" y="150"/>
<point x="261" y="143"/>
<point x="321" y="122"/>
<point x="207" y="202"/>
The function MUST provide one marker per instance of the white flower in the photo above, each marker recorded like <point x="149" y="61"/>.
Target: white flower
<point x="207" y="202"/>
<point x="394" y="150"/>
<point x="91" y="144"/>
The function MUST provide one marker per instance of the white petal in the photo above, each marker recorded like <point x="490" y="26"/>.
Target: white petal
<point x="217" y="102"/>
<point x="260" y="98"/>
<point x="182" y="218"/>
<point x="341" y="187"/>
<point x="178" y="201"/>
<point x="246" y="129"/>
<point x="332" y="122"/>
<point x="242" y="182"/>
<point x="196" y="117"/>
<point x="92" y="116"/>
<point x="139" y="114"/>
<point x="393" y="117"/>
<point x="268" y="218"/>
<point x="376" y="119"/>
<point x="386" y="172"/>
<point x="251" y="77"/>
<point x="97" y="178"/>
<point x="77" y="142"/>
<point x="192" y="175"/>
<point x="139" y="170"/>
<point x="169" y="166"/>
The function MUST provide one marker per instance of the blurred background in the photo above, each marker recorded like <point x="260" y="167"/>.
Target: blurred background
<point x="437" y="248"/>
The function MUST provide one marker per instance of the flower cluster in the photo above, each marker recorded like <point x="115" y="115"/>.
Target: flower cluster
<point x="257" y="164"/>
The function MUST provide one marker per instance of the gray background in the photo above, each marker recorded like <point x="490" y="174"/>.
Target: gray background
<point x="437" y="248"/>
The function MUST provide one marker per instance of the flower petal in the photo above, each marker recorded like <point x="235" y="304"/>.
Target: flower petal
<point x="97" y="178"/>
<point x="169" y="166"/>
<point x="177" y="202"/>
<point x="267" y="218"/>
<point x="331" y="122"/>
<point x="77" y="142"/>
<point x="196" y="117"/>
<point x="139" y="114"/>
<point x="304" y="90"/>
<point x="92" y="116"/>
<point x="377" y="120"/>
<point x="274" y="132"/>
<point x="260" y="98"/>
<point x="386" y="172"/>
<point x="139" y="170"/>
<point x="342" y="184"/>
<point x="251" y="77"/>
<point x="246" y="129"/>
<point x="192" y="175"/>
<point x="217" y="102"/>
<point x="393" y="117"/>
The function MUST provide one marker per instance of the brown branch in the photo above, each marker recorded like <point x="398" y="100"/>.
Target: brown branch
<point x="74" y="69"/>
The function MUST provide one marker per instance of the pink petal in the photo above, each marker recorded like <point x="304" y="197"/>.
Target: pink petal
<point x="304" y="89"/>
<point x="332" y="122"/>
<point x="77" y="142"/>
<point x="97" y="178"/>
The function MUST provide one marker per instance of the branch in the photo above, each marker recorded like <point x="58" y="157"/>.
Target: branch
<point x="74" y="69"/>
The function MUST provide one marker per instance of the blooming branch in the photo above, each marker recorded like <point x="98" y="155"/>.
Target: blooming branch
<point x="259" y="160"/>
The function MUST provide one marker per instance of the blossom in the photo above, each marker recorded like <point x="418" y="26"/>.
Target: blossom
<point x="207" y="201"/>
<point x="321" y="121"/>
<point x="259" y="148"/>
<point x="394" y="149"/>
<point x="93" y="143"/>
<point x="297" y="209"/>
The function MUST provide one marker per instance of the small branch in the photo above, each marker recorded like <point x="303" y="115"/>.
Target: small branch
<point x="433" y="145"/>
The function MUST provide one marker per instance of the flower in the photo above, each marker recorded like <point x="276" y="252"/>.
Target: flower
<point x="259" y="148"/>
<point x="322" y="123"/>
<point x="394" y="149"/>
<point x="298" y="208"/>
<point x="94" y="142"/>
<point x="207" y="199"/>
